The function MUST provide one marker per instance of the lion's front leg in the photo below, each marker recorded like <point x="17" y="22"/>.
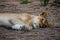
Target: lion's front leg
<point x="17" y="25"/>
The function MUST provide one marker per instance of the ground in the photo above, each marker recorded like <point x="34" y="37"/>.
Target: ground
<point x="53" y="9"/>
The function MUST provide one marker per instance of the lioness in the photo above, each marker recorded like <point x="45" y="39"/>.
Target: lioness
<point x="23" y="21"/>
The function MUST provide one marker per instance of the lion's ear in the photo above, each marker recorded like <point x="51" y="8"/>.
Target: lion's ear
<point x="43" y="14"/>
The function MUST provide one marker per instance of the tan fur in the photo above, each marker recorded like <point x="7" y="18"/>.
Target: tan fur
<point x="27" y="19"/>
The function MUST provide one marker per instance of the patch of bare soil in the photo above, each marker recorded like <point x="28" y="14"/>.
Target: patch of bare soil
<point x="37" y="34"/>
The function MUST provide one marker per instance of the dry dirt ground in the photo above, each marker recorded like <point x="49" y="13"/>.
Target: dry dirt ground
<point x="14" y="6"/>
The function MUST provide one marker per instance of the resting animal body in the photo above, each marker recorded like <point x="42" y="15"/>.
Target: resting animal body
<point x="23" y="21"/>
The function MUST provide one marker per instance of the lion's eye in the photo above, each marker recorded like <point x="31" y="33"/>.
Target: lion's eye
<point x="42" y="19"/>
